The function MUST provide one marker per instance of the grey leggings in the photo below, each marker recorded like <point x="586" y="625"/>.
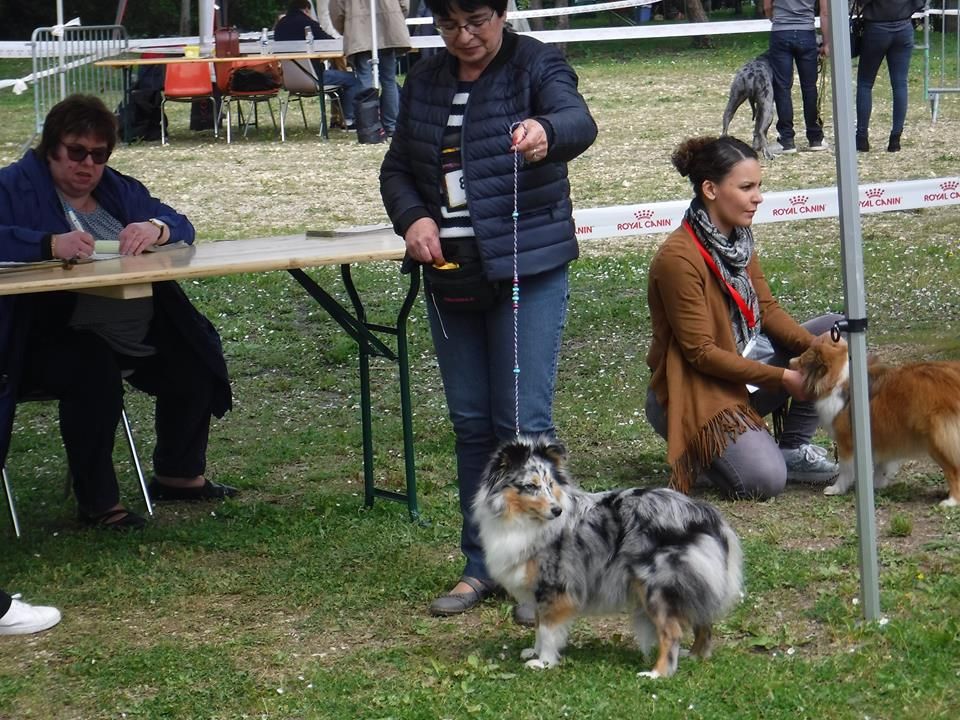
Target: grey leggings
<point x="752" y="465"/>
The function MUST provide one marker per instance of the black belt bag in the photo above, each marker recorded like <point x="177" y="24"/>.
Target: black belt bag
<point x="461" y="285"/>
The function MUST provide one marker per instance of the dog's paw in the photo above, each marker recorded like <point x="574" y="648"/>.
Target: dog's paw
<point x="834" y="489"/>
<point x="949" y="503"/>
<point x="652" y="674"/>
<point x="538" y="664"/>
<point x="528" y="653"/>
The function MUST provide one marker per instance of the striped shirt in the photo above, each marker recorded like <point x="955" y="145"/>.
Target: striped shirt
<point x="454" y="214"/>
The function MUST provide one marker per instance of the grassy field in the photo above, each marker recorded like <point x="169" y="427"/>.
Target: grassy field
<point x="293" y="601"/>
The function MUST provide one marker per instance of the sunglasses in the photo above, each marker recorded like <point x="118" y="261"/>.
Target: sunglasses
<point x="78" y="153"/>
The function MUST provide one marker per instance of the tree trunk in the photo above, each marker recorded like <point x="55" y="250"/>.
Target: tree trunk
<point x="184" y="17"/>
<point x="536" y="23"/>
<point x="696" y="14"/>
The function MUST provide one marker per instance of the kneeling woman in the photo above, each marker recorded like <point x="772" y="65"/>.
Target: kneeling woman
<point x="712" y="314"/>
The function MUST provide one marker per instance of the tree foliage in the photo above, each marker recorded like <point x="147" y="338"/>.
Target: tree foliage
<point x="144" y="18"/>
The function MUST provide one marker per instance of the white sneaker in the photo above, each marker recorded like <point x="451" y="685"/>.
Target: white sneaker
<point x="809" y="464"/>
<point x="24" y="619"/>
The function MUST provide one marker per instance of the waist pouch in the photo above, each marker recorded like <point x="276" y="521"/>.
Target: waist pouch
<point x="464" y="288"/>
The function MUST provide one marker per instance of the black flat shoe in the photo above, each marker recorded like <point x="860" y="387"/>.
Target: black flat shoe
<point x="208" y="491"/>
<point x="456" y="603"/>
<point x="118" y="519"/>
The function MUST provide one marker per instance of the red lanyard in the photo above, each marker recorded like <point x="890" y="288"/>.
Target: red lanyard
<point x="737" y="298"/>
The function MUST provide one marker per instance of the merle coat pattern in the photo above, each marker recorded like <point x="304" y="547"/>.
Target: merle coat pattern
<point x="671" y="561"/>
<point x="754" y="83"/>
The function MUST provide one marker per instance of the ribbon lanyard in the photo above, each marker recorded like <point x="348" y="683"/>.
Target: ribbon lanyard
<point x="737" y="298"/>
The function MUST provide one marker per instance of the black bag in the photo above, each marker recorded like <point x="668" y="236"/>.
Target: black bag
<point x="246" y="79"/>
<point x="366" y="116"/>
<point x="856" y="28"/>
<point x="462" y="287"/>
<point x="139" y="118"/>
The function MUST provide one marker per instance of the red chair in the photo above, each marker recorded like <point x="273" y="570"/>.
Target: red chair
<point x="186" y="82"/>
<point x="226" y="73"/>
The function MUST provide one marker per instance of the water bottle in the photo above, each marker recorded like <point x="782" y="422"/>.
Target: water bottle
<point x="264" y="41"/>
<point x="308" y="36"/>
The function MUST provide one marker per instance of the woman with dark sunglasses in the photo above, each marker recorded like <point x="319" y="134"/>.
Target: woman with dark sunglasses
<point x="55" y="203"/>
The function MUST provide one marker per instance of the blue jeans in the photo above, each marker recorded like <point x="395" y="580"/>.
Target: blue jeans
<point x="475" y="355"/>
<point x="893" y="41"/>
<point x="350" y="84"/>
<point x="787" y="47"/>
<point x="389" y="93"/>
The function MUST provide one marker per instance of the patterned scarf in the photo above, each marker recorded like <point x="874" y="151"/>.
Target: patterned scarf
<point x="732" y="255"/>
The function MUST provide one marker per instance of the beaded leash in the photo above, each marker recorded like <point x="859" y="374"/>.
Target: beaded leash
<point x="516" y="282"/>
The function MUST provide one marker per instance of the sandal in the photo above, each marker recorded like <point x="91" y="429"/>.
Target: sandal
<point x="456" y="603"/>
<point x="118" y="519"/>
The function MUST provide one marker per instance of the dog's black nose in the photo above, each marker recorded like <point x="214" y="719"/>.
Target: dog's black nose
<point x="556" y="511"/>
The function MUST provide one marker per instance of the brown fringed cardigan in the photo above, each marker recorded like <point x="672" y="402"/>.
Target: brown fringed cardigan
<point x="699" y="378"/>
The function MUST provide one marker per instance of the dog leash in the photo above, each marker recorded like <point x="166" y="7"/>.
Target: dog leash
<point x="515" y="291"/>
<point x="822" y="83"/>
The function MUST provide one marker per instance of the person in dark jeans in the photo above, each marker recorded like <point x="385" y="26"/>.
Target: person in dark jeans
<point x="793" y="39"/>
<point x="292" y="26"/>
<point x="887" y="33"/>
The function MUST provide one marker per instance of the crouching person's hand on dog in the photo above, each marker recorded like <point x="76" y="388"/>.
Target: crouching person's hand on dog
<point x="793" y="384"/>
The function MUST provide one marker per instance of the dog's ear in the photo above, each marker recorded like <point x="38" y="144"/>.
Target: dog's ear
<point x="513" y="454"/>
<point x="555" y="451"/>
<point x="815" y="368"/>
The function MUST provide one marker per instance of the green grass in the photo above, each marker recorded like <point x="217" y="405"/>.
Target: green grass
<point x="293" y="601"/>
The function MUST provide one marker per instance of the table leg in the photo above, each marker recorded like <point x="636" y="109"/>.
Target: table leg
<point x="370" y="345"/>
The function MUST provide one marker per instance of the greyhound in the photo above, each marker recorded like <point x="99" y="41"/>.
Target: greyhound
<point x="754" y="82"/>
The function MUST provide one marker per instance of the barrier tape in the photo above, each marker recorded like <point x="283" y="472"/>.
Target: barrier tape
<point x="806" y="204"/>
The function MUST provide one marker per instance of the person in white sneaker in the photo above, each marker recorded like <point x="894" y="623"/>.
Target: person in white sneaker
<point x="721" y="342"/>
<point x="19" y="618"/>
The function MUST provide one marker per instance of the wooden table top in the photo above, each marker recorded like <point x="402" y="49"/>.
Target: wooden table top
<point x="205" y="260"/>
<point x="176" y="60"/>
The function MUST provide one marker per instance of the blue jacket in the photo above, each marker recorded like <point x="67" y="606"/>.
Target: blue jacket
<point x="526" y="79"/>
<point x="30" y="209"/>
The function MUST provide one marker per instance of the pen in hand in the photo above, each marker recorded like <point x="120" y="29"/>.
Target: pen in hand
<point x="75" y="222"/>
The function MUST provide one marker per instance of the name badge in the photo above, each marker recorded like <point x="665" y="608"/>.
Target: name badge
<point x="456" y="189"/>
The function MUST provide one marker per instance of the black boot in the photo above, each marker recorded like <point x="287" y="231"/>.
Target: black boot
<point x="863" y="145"/>
<point x="894" y="144"/>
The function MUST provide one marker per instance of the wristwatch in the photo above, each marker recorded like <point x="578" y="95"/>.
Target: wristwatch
<point x="159" y="225"/>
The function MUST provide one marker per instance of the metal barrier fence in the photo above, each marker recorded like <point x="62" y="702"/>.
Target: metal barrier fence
<point x="63" y="60"/>
<point x="941" y="58"/>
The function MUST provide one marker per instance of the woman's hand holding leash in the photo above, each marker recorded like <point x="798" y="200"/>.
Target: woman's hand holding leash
<point x="530" y="140"/>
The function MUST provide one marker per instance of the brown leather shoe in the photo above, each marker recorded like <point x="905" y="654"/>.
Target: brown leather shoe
<point x="456" y="603"/>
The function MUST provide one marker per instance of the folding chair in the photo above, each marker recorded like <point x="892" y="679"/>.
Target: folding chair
<point x="229" y="94"/>
<point x="186" y="82"/>
<point x="128" y="433"/>
<point x="300" y="81"/>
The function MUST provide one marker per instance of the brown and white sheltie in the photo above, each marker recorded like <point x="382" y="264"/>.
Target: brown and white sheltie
<point x="914" y="412"/>
<point x="672" y="561"/>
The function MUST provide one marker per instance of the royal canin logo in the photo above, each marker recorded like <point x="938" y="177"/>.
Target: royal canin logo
<point x="644" y="220"/>
<point x="799" y="199"/>
<point x="876" y="197"/>
<point x="798" y="205"/>
<point x="949" y="190"/>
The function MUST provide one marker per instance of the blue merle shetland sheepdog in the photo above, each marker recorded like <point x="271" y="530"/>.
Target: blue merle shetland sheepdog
<point x="670" y="560"/>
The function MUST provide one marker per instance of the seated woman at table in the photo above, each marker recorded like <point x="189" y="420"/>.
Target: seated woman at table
<point x="54" y="203"/>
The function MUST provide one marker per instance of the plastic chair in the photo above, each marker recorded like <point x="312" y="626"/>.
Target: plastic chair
<point x="300" y="82"/>
<point x="186" y="82"/>
<point x="224" y="72"/>
<point x="128" y="433"/>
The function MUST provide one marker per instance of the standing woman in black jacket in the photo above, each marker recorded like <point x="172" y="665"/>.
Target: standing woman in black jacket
<point x="887" y="33"/>
<point x="448" y="185"/>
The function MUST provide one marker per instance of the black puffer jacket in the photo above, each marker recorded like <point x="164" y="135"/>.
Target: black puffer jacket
<point x="526" y="79"/>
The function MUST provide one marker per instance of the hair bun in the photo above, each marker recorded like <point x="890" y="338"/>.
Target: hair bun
<point x="686" y="151"/>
